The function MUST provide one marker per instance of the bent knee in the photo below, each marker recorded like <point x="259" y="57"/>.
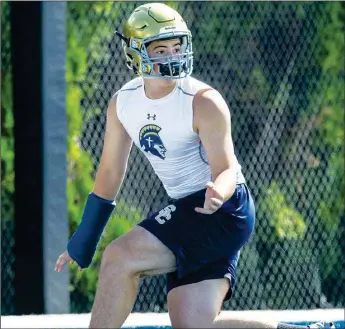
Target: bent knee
<point x="117" y="253"/>
<point x="140" y="253"/>
<point x="127" y="253"/>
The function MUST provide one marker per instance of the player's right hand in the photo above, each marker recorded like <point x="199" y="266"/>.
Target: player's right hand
<point x="63" y="259"/>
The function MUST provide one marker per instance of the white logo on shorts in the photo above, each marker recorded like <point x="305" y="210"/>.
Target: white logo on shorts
<point x="165" y="213"/>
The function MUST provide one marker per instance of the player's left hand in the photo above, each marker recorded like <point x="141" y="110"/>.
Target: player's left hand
<point x="63" y="259"/>
<point x="213" y="200"/>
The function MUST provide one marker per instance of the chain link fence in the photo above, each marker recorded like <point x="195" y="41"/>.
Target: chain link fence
<point x="279" y="65"/>
<point x="7" y="174"/>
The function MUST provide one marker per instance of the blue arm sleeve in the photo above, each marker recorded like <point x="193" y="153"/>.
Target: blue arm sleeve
<point x="83" y="243"/>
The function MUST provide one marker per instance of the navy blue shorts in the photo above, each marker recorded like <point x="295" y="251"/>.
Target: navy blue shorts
<point x="205" y="246"/>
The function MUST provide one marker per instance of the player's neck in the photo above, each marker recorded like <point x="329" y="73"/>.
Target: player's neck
<point x="155" y="89"/>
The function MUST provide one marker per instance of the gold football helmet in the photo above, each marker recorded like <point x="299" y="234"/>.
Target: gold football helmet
<point x="156" y="21"/>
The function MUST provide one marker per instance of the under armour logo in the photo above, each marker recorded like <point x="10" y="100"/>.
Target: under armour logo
<point x="151" y="116"/>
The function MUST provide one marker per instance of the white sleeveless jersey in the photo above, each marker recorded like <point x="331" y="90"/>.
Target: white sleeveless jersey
<point x="163" y="130"/>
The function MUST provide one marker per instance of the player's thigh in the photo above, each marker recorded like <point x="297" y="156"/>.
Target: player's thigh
<point x="196" y="305"/>
<point x="141" y="252"/>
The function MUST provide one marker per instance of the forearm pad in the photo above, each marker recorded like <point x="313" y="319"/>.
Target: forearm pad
<point x="83" y="243"/>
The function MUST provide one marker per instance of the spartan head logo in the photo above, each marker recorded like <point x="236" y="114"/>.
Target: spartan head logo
<point x="151" y="142"/>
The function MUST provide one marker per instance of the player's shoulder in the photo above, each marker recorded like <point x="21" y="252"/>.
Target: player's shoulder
<point x="132" y="85"/>
<point x="207" y="99"/>
<point x="122" y="95"/>
<point x="191" y="86"/>
<point x="129" y="86"/>
<point x="126" y="90"/>
<point x="201" y="91"/>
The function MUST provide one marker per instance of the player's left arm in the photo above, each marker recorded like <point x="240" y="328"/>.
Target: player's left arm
<point x="212" y="121"/>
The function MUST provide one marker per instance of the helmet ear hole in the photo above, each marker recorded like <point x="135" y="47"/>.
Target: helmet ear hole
<point x="132" y="60"/>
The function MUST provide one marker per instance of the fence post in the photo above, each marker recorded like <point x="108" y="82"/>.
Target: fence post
<point x="55" y="223"/>
<point x="38" y="42"/>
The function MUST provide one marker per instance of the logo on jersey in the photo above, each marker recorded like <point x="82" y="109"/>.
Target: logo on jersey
<point x="151" y="116"/>
<point x="150" y="140"/>
<point x="165" y="214"/>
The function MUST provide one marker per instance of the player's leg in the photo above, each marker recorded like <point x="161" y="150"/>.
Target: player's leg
<point x="126" y="259"/>
<point x="198" y="305"/>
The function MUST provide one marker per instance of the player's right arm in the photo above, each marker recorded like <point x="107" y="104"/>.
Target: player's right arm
<point x="113" y="164"/>
<point x="101" y="201"/>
